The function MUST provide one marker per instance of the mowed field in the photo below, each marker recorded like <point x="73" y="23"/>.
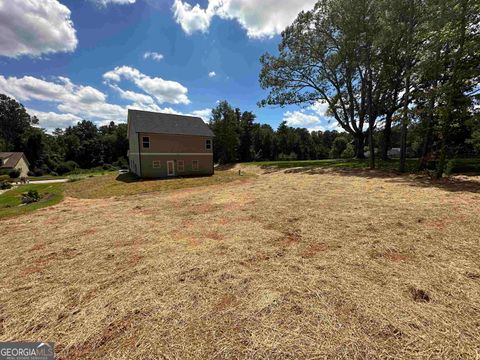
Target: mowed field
<point x="289" y="264"/>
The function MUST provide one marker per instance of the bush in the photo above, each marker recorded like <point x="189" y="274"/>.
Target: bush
<point x="462" y="166"/>
<point x="14" y="173"/>
<point x="285" y="157"/>
<point x="30" y="196"/>
<point x="349" y="152"/>
<point x="121" y="163"/>
<point x="4" y="178"/>
<point x="338" y="147"/>
<point x="38" y="172"/>
<point x="31" y="173"/>
<point x="4" y="185"/>
<point x="66" y="167"/>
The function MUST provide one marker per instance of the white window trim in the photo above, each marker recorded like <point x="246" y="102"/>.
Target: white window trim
<point x="180" y="166"/>
<point x="173" y="168"/>
<point x="158" y="166"/>
<point x="143" y="142"/>
<point x="198" y="165"/>
<point x="206" y="146"/>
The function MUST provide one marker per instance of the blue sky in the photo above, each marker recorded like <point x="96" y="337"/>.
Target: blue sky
<point x="72" y="59"/>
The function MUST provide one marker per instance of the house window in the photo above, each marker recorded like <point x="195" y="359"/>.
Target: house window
<point x="180" y="165"/>
<point x="156" y="164"/>
<point x="146" y="142"/>
<point x="208" y="144"/>
<point x="195" y="165"/>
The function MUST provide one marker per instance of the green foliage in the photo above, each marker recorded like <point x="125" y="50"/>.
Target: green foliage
<point x="14" y="173"/>
<point x="5" y="185"/>
<point x="349" y="152"/>
<point x="30" y="196"/>
<point x="10" y="201"/>
<point x="287" y="157"/>
<point x="456" y="166"/>
<point x="66" y="167"/>
<point x="338" y="147"/>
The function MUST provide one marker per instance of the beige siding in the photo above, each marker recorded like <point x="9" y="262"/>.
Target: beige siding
<point x="133" y="157"/>
<point x="168" y="147"/>
<point x="167" y="143"/>
<point x="23" y="167"/>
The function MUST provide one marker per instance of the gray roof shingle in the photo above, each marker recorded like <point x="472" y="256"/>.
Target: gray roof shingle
<point x="154" y="122"/>
<point x="13" y="159"/>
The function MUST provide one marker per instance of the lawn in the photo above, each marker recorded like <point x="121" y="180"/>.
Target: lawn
<point x="454" y="166"/>
<point x="126" y="184"/>
<point x="11" y="205"/>
<point x="334" y="264"/>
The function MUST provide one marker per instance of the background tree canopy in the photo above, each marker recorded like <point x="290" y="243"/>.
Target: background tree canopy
<point x="378" y="62"/>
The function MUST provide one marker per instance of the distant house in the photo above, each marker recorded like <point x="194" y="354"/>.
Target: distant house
<point x="165" y="145"/>
<point x="14" y="160"/>
<point x="394" y="152"/>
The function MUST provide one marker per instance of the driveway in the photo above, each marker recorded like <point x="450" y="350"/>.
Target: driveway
<point x="52" y="181"/>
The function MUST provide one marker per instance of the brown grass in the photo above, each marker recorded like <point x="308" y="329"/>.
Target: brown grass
<point x="290" y="265"/>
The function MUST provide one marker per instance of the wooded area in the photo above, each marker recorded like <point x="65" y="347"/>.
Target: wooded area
<point x="377" y="63"/>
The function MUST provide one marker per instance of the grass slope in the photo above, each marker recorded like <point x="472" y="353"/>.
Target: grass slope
<point x="11" y="205"/>
<point x="454" y="165"/>
<point x="123" y="185"/>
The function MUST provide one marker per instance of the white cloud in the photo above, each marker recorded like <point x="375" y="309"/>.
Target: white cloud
<point x="212" y="74"/>
<point x="320" y="108"/>
<point x="76" y="102"/>
<point x="194" y="18"/>
<point x="153" y="55"/>
<point x="52" y="120"/>
<point x="118" y="2"/>
<point x="300" y="119"/>
<point x="165" y="91"/>
<point x="204" y="114"/>
<point x="260" y="19"/>
<point x="313" y="119"/>
<point x="72" y="99"/>
<point x="35" y="27"/>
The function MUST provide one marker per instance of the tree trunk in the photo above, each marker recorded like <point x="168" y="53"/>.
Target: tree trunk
<point x="359" y="145"/>
<point x="403" y="140"/>
<point x="427" y="142"/>
<point x="387" y="136"/>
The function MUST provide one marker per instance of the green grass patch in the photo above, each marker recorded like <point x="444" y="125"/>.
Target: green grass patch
<point x="11" y="201"/>
<point x="122" y="185"/>
<point x="390" y="165"/>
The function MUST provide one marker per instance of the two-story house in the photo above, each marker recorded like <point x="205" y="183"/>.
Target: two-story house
<point x="166" y="145"/>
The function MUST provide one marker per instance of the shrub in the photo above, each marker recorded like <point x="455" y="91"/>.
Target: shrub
<point x="31" y="173"/>
<point x="66" y="167"/>
<point x="14" y="173"/>
<point x="349" y="152"/>
<point x="285" y="157"/>
<point x="4" y="178"/>
<point x="462" y="166"/>
<point x="38" y="172"/>
<point x="338" y="147"/>
<point x="4" y="185"/>
<point x="121" y="163"/>
<point x="30" y="196"/>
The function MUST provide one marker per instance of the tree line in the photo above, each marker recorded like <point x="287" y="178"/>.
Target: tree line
<point x="378" y="64"/>
<point x="83" y="145"/>
<point x="239" y="139"/>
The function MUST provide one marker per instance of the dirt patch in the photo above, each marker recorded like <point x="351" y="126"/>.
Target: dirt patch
<point x="313" y="250"/>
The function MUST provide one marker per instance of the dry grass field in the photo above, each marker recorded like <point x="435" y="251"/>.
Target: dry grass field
<point x="296" y="264"/>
